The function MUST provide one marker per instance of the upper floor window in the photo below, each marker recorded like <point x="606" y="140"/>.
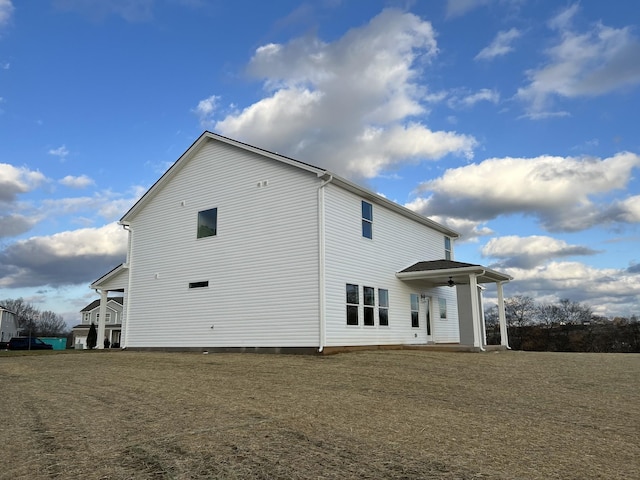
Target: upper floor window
<point x="447" y="248"/>
<point x="207" y="223"/>
<point x="367" y="219"/>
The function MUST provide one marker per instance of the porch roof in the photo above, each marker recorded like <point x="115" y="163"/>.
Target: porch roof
<point x="439" y="272"/>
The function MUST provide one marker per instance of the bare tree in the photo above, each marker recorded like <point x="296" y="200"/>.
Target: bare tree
<point x="520" y="310"/>
<point x="574" y="313"/>
<point x="32" y="321"/>
<point x="26" y="314"/>
<point x="51" y="325"/>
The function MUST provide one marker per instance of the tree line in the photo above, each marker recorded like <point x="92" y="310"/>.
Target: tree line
<point x="565" y="326"/>
<point x="34" y="322"/>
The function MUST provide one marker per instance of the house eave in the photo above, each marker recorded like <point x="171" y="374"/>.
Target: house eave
<point x="483" y="275"/>
<point x="404" y="211"/>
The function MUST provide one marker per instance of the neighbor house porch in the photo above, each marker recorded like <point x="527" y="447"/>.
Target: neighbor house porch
<point x="117" y="280"/>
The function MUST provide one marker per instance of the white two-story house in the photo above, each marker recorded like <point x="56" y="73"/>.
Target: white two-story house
<point x="8" y="325"/>
<point x="235" y="247"/>
<point x="91" y="314"/>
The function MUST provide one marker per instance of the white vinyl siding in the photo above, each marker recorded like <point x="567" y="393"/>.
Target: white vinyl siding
<point x="262" y="265"/>
<point x="398" y="242"/>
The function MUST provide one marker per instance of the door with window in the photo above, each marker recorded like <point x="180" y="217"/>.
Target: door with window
<point x="426" y="314"/>
<point x="421" y="319"/>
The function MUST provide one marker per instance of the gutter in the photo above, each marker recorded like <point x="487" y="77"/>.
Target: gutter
<point x="327" y="178"/>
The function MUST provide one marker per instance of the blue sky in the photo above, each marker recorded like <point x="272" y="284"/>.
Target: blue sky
<point x="512" y="121"/>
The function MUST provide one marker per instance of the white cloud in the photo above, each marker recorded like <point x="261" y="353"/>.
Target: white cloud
<point x="6" y="10"/>
<point x="15" y="224"/>
<point x="596" y="62"/>
<point x="456" y="8"/>
<point x="107" y="204"/>
<point x="206" y="109"/>
<point x="66" y="258"/>
<point x="608" y="291"/>
<point x="501" y="45"/>
<point x="557" y="190"/>
<point x="528" y="252"/>
<point x="348" y="106"/>
<point x="468" y="100"/>
<point x="81" y="181"/>
<point x="60" y="152"/>
<point x="627" y="210"/>
<point x="14" y="180"/>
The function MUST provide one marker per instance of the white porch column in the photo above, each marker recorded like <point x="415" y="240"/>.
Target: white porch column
<point x="101" y="320"/>
<point x="475" y="314"/>
<point x="502" y="318"/>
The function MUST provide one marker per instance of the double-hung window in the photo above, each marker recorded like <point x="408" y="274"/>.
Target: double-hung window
<point x="353" y="303"/>
<point x="447" y="248"/>
<point x="369" y="305"/>
<point x="383" y="307"/>
<point x="367" y="220"/>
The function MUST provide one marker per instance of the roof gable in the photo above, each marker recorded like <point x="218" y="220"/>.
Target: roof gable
<point x="320" y="172"/>
<point x="96" y="303"/>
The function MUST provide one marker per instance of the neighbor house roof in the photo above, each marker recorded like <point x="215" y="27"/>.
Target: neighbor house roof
<point x="96" y="303"/>
<point x="441" y="270"/>
<point x="320" y="172"/>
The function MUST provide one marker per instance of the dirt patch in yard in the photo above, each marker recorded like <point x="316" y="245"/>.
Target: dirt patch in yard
<point x="390" y="414"/>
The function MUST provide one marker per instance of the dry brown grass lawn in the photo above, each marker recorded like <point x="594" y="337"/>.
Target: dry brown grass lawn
<point x="391" y="414"/>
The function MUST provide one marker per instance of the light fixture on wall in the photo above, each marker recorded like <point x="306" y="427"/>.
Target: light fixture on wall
<point x="451" y="283"/>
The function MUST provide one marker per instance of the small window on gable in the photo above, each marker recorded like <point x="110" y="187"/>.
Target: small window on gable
<point x="367" y="220"/>
<point x="447" y="248"/>
<point x="443" y="308"/>
<point x="199" y="284"/>
<point x="207" y="223"/>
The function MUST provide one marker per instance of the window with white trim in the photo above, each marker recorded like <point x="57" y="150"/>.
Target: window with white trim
<point x="208" y="223"/>
<point x="353" y="303"/>
<point x="369" y="294"/>
<point x="383" y="307"/>
<point x="367" y="219"/>
<point x="442" y="303"/>
<point x="447" y="248"/>
<point x="415" y="310"/>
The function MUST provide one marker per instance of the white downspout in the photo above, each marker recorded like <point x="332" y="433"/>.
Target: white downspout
<point x="321" y="264"/>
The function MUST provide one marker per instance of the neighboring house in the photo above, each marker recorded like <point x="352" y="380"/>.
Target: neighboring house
<point x="91" y="314"/>
<point x="235" y="247"/>
<point x="8" y="324"/>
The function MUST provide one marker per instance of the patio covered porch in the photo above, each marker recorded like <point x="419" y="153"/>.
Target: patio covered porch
<point x="467" y="279"/>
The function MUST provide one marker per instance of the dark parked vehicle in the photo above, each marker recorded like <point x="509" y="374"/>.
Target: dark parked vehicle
<point x="22" y="343"/>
